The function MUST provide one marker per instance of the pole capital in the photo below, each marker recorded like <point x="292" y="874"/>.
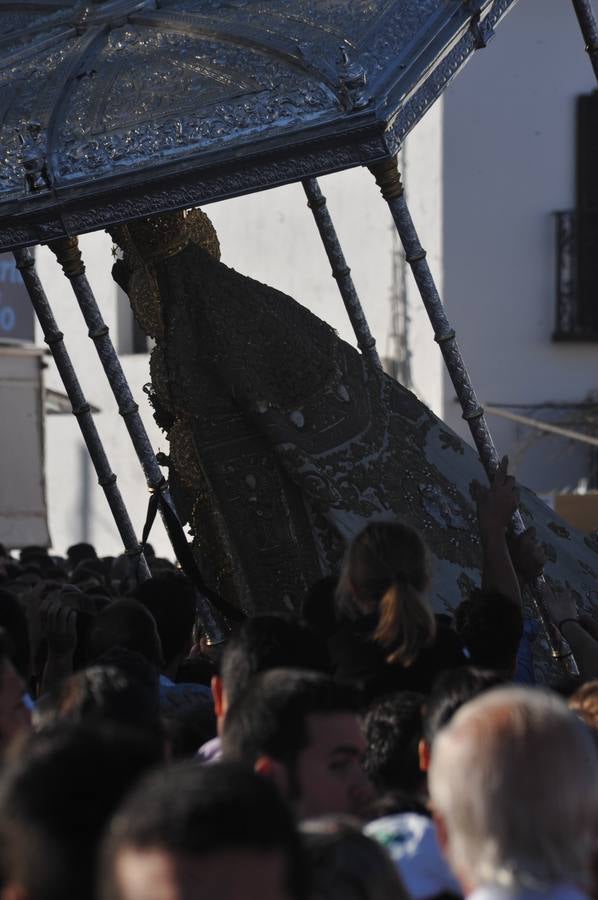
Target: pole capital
<point x="388" y="178"/>
<point x="66" y="251"/>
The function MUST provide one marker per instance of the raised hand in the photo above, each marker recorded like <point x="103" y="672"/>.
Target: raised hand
<point x="527" y="554"/>
<point x="497" y="502"/>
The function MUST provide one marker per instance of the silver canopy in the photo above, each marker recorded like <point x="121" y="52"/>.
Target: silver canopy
<point x="114" y="110"/>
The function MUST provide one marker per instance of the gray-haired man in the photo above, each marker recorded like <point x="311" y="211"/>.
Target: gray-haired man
<point x="514" y="788"/>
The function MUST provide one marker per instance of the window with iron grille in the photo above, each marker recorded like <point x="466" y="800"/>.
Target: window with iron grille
<point x="577" y="237"/>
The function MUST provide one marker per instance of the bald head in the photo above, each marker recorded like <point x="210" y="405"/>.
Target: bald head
<point x="514" y="787"/>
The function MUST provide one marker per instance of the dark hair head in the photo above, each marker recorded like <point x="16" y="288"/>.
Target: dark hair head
<point x="270" y="717"/>
<point x="55" y="800"/>
<point x="127" y="624"/>
<point x="386" y="571"/>
<point x="135" y="666"/>
<point x="490" y="626"/>
<point x="346" y="865"/>
<point x="103" y="694"/>
<point x="90" y="573"/>
<point x="33" y="553"/>
<point x="269" y="642"/>
<point x="196" y="811"/>
<point x="451" y="691"/>
<point x="14" y="622"/>
<point x="170" y="598"/>
<point x="79" y="552"/>
<point x="393" y="729"/>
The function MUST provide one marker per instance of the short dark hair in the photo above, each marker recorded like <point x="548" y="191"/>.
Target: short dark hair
<point x="170" y="598"/>
<point x="393" y="729"/>
<point x="56" y="798"/>
<point x="346" y="864"/>
<point x="270" y="716"/>
<point x="199" y="810"/>
<point x="490" y="625"/>
<point x="13" y="620"/>
<point x="103" y="694"/>
<point x="269" y="641"/>
<point x="76" y="553"/>
<point x="451" y="691"/>
<point x="127" y="624"/>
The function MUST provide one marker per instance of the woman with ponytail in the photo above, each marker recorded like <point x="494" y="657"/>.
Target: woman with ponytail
<point x="388" y="637"/>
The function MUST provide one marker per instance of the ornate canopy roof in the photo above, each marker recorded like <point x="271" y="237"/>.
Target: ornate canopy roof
<point x="114" y="110"/>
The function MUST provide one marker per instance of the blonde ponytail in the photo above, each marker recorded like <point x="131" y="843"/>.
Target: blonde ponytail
<point x="406" y="622"/>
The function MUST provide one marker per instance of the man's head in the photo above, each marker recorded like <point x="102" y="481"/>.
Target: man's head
<point x="393" y="730"/>
<point x="170" y="598"/>
<point x="264" y="642"/>
<point x="13" y="619"/>
<point x="302" y="730"/>
<point x="126" y="624"/>
<point x="56" y="797"/>
<point x="81" y="552"/>
<point x="193" y="832"/>
<point x="100" y="695"/>
<point x="451" y="691"/>
<point x="513" y="783"/>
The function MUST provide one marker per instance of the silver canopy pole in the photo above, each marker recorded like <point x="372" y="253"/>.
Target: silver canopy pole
<point x="82" y="412"/>
<point x="341" y="272"/>
<point x="68" y="255"/>
<point x="388" y="180"/>
<point x="589" y="29"/>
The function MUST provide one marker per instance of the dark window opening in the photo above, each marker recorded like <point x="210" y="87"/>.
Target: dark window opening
<point x="577" y="237"/>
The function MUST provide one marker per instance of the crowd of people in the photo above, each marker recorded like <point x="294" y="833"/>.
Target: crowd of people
<point x="363" y="748"/>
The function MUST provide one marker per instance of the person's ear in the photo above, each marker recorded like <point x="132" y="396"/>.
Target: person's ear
<point x="217" y="696"/>
<point x="423" y="752"/>
<point x="274" y="771"/>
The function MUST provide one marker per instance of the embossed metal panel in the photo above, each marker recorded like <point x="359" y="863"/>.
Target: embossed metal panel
<point x="113" y="110"/>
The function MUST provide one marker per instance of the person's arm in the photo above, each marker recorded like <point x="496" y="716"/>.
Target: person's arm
<point x="496" y="505"/>
<point x="563" y="610"/>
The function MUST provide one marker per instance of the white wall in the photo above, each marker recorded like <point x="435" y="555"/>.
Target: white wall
<point x="424" y="166"/>
<point x="509" y="162"/>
